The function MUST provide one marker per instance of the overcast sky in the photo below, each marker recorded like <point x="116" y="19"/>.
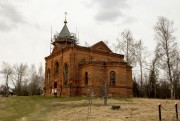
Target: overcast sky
<point x="25" y="25"/>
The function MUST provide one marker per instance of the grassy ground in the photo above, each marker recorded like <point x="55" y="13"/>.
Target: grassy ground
<point x="39" y="108"/>
<point x="29" y="107"/>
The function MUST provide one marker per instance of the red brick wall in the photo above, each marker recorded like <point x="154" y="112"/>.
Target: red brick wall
<point x="79" y="61"/>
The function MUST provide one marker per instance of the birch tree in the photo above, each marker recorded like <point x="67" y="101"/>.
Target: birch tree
<point x="153" y="76"/>
<point x="19" y="76"/>
<point x="167" y="47"/>
<point x="7" y="72"/>
<point x="140" y="58"/>
<point x="126" y="45"/>
<point x="41" y="77"/>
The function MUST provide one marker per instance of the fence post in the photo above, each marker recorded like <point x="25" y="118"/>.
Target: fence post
<point x="176" y="107"/>
<point x="159" y="107"/>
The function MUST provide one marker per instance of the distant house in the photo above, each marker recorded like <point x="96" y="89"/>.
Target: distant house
<point x="72" y="69"/>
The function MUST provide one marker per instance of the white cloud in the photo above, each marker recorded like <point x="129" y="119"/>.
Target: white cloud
<point x="10" y="18"/>
<point x="109" y="10"/>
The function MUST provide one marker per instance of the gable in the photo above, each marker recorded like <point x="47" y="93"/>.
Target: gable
<point x="101" y="46"/>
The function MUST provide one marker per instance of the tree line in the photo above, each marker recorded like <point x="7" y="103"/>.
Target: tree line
<point x="21" y="80"/>
<point x="155" y="75"/>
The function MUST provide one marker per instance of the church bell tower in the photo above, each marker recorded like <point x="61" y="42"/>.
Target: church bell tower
<point x="64" y="38"/>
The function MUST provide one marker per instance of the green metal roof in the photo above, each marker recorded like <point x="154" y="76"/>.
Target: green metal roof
<point x="64" y="32"/>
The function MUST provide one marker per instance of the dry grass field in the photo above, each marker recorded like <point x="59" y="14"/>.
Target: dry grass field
<point x="39" y="108"/>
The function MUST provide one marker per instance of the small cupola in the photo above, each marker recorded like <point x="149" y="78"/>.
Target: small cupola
<point x="64" y="36"/>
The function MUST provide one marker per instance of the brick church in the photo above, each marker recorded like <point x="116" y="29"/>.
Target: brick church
<point x="72" y="70"/>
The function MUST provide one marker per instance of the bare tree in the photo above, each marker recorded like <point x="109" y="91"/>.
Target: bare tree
<point x="24" y="84"/>
<point x="167" y="47"/>
<point x="115" y="48"/>
<point x="41" y="77"/>
<point x="153" y="76"/>
<point x="35" y="80"/>
<point x="19" y="76"/>
<point x="140" y="58"/>
<point x="126" y="45"/>
<point x="7" y="72"/>
<point x="176" y="74"/>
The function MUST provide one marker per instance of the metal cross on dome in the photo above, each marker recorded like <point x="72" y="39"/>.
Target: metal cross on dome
<point x="65" y="15"/>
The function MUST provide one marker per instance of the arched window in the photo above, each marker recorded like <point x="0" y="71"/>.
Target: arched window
<point x="56" y="67"/>
<point x="86" y="78"/>
<point x="112" y="78"/>
<point x="65" y="74"/>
